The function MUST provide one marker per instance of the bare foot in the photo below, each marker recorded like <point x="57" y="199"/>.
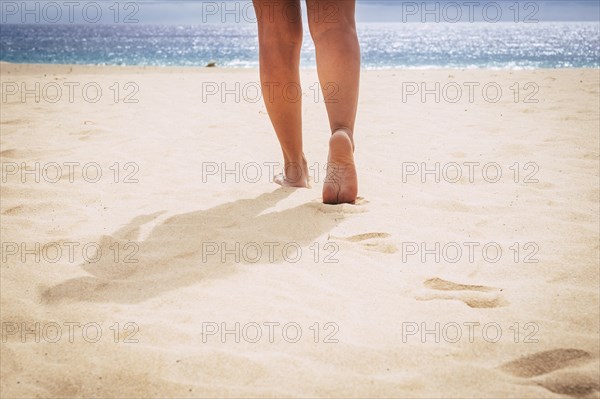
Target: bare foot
<point x="295" y="175"/>
<point x="341" y="183"/>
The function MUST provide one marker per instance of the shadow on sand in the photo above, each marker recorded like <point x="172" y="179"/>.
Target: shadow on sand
<point x="171" y="255"/>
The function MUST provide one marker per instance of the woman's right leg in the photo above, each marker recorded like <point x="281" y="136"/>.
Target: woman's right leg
<point x="280" y="42"/>
<point x="333" y="29"/>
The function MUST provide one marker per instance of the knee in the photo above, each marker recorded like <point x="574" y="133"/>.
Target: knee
<point x="341" y="29"/>
<point x="281" y="37"/>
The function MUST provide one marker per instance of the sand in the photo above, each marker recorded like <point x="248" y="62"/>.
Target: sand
<point x="180" y="239"/>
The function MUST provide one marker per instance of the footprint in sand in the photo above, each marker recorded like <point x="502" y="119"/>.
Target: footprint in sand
<point x="475" y="296"/>
<point x="357" y="207"/>
<point x="576" y="385"/>
<point x="13" y="122"/>
<point x="370" y="241"/>
<point x="8" y="153"/>
<point x="548" y="365"/>
<point x="14" y="211"/>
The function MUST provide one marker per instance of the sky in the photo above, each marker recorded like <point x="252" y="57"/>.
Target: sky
<point x="184" y="12"/>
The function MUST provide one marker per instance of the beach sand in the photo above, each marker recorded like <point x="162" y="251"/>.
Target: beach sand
<point x="167" y="207"/>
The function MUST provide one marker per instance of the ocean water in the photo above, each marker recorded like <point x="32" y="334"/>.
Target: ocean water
<point x="395" y="45"/>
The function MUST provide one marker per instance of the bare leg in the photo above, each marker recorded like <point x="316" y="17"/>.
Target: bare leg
<point x="280" y="41"/>
<point x="333" y="29"/>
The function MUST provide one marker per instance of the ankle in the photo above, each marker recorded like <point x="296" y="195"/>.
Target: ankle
<point x="295" y="160"/>
<point x="295" y="170"/>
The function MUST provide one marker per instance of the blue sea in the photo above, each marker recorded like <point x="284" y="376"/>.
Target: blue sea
<point x="384" y="45"/>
